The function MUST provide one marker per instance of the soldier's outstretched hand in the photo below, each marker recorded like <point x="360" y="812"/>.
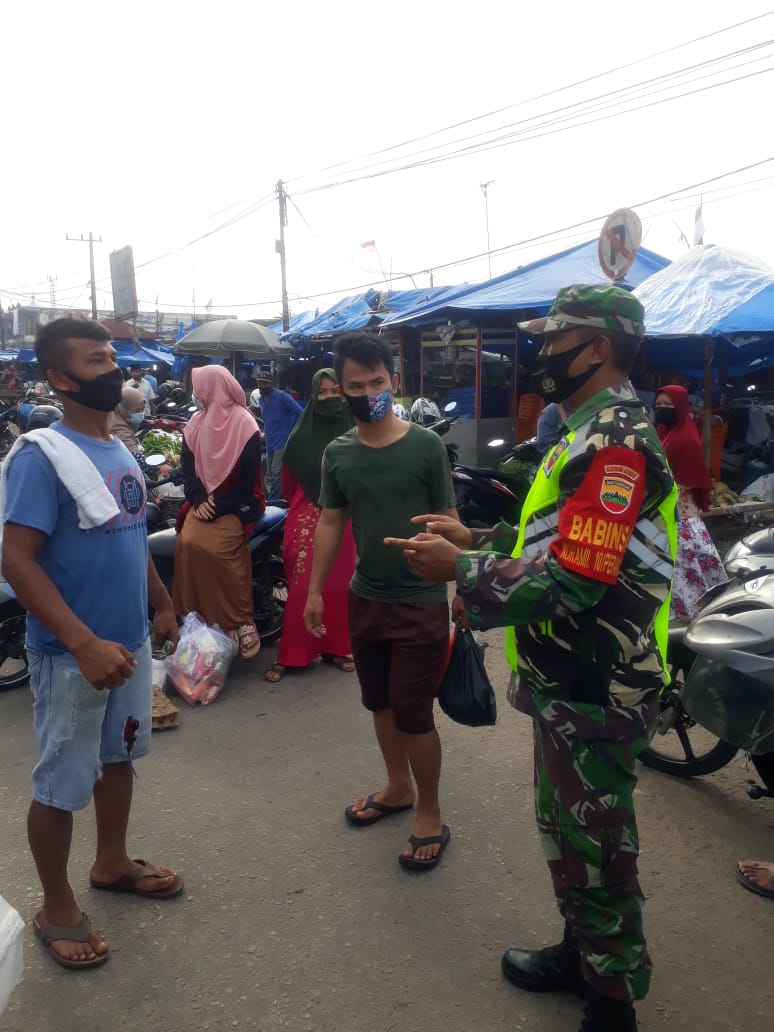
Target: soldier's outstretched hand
<point x="447" y="527"/>
<point x="429" y="556"/>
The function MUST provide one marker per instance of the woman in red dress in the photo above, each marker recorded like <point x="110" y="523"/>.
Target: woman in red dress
<point x="324" y="418"/>
<point x="698" y="566"/>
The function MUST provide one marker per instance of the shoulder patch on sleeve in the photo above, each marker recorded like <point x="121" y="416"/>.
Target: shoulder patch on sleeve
<point x="596" y="522"/>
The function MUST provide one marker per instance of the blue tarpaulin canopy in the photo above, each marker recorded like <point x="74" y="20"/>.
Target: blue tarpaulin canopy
<point x="133" y="353"/>
<point x="710" y="292"/>
<point x="298" y="322"/>
<point x="527" y="290"/>
<point x="128" y="352"/>
<point x="359" y="311"/>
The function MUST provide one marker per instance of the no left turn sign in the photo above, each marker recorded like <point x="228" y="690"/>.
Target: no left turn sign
<point x="618" y="242"/>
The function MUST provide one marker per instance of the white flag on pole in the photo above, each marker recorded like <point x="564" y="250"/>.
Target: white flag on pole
<point x="698" y="227"/>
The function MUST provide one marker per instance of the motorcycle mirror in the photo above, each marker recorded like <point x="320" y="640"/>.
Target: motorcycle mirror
<point x="155" y="460"/>
<point x="450" y="407"/>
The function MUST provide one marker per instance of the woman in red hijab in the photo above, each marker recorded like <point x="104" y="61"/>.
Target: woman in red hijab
<point x="221" y="460"/>
<point x="698" y="566"/>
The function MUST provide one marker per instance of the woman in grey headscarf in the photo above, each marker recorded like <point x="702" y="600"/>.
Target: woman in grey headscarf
<point x="128" y="417"/>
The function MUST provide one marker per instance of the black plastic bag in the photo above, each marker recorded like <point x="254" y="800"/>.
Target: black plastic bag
<point x="465" y="693"/>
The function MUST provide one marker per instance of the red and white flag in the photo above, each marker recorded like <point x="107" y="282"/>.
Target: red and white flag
<point x="698" y="227"/>
<point x="369" y="243"/>
<point x="208" y="306"/>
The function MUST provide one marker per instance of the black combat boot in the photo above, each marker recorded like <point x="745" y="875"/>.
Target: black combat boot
<point x="550" y="970"/>
<point x="605" y="1015"/>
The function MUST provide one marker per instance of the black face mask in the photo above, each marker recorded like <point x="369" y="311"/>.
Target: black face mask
<point x="370" y="408"/>
<point x="665" y="415"/>
<point x="552" y="376"/>
<point x="329" y="408"/>
<point x="102" y="393"/>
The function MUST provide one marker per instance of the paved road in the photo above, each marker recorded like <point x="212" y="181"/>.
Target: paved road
<point x="293" y="920"/>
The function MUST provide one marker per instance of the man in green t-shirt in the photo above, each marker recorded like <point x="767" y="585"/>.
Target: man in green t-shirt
<point x="380" y="474"/>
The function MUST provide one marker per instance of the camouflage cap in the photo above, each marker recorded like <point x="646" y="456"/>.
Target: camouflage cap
<point x="603" y="307"/>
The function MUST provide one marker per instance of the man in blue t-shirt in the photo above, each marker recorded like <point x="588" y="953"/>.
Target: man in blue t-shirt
<point x="87" y="640"/>
<point x="280" y="414"/>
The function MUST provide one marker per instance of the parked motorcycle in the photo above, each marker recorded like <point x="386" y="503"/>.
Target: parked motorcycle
<point x="721" y="698"/>
<point x="270" y="586"/>
<point x="14" y="667"/>
<point x="9" y="430"/>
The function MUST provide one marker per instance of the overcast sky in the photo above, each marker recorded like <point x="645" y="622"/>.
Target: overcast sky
<point x="152" y="124"/>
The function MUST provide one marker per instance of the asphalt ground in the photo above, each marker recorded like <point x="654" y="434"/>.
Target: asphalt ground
<point x="293" y="920"/>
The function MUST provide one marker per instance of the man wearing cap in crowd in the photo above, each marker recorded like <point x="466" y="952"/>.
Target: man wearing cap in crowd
<point x="583" y="587"/>
<point x="139" y="383"/>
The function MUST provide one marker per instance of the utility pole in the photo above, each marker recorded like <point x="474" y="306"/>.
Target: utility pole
<point x="91" y="242"/>
<point x="52" y="291"/>
<point x="279" y="247"/>
<point x="484" y="187"/>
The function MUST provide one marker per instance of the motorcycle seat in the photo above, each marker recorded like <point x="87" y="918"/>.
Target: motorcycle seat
<point x="272" y="515"/>
<point x="163" y="543"/>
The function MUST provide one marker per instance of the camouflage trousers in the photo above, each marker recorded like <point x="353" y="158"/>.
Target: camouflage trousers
<point x="584" y="784"/>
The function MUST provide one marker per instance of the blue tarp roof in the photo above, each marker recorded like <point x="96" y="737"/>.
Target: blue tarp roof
<point x="361" y="310"/>
<point x="529" y="289"/>
<point x="714" y="292"/>
<point x="128" y="352"/>
<point x="132" y="352"/>
<point x="298" y="322"/>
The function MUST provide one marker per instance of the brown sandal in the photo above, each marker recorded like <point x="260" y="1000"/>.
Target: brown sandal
<point x="343" y="663"/>
<point x="129" y="883"/>
<point x="75" y="933"/>
<point x="275" y="668"/>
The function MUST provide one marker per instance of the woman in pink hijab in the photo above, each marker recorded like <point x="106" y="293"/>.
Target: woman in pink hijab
<point x="221" y="460"/>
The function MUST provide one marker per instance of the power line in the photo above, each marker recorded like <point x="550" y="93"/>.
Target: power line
<point x="538" y="97"/>
<point x="551" y="235"/>
<point x="568" y="112"/>
<point x="508" y="141"/>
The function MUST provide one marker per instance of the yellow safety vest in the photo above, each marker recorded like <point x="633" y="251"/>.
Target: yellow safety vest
<point x="540" y="522"/>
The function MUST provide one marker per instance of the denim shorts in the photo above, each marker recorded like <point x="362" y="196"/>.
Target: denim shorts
<point x="79" y="728"/>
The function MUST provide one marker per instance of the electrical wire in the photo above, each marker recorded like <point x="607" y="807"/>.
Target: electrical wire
<point x="483" y="148"/>
<point x="541" y="96"/>
<point x="578" y="109"/>
<point x="553" y="123"/>
<point x="552" y="236"/>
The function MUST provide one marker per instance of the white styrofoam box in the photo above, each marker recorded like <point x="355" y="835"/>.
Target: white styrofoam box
<point x="11" y="956"/>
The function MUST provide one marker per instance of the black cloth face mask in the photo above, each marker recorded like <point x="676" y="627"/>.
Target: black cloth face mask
<point x="665" y="415"/>
<point x="101" y="394"/>
<point x="552" y="376"/>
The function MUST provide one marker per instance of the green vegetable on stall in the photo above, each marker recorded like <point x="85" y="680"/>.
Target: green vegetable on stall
<point x="160" y="442"/>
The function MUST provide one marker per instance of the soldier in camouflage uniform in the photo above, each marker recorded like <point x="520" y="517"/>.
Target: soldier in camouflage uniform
<point x="583" y="586"/>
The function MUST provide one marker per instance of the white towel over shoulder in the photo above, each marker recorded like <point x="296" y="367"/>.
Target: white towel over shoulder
<point x="78" y="474"/>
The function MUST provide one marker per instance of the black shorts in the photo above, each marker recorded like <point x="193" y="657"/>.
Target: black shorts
<point x="400" y="651"/>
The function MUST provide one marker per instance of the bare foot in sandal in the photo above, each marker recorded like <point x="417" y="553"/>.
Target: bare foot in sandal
<point x="344" y="663"/>
<point x="87" y="948"/>
<point x="757" y="876"/>
<point x="275" y="672"/>
<point x="249" y="641"/>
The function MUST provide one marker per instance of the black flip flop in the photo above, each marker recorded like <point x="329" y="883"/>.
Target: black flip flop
<point x="384" y="810"/>
<point x="411" y="864"/>
<point x="754" y="886"/>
